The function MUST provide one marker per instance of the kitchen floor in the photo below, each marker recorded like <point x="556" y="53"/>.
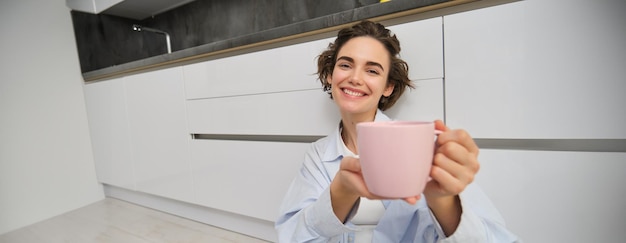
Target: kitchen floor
<point x="113" y="220"/>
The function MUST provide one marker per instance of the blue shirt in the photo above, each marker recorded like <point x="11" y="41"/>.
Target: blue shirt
<point x="306" y="214"/>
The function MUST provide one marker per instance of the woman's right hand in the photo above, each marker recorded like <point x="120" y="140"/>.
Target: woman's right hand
<point x="348" y="186"/>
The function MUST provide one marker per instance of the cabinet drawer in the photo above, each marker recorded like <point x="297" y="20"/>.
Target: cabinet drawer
<point x="309" y="112"/>
<point x="279" y="69"/>
<point x="244" y="177"/>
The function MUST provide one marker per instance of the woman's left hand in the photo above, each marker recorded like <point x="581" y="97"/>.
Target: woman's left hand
<point x="455" y="163"/>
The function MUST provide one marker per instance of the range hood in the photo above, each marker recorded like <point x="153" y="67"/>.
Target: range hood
<point x="132" y="9"/>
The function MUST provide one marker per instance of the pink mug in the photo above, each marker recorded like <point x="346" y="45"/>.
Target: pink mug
<point x="396" y="156"/>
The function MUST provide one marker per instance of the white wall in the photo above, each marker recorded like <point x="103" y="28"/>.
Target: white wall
<point x="46" y="162"/>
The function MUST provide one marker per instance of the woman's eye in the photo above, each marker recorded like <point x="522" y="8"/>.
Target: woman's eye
<point x="372" y="71"/>
<point x="343" y="65"/>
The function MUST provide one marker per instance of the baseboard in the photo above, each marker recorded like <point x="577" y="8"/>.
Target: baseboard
<point x="254" y="227"/>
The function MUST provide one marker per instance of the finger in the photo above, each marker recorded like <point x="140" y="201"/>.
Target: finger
<point x="459" y="154"/>
<point x="439" y="125"/>
<point x="463" y="173"/>
<point x="460" y="136"/>
<point x="350" y="170"/>
<point x="447" y="183"/>
<point x="412" y="200"/>
<point x="350" y="164"/>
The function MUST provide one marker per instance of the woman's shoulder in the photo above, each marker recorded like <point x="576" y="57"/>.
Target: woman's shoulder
<point x="322" y="144"/>
<point x="323" y="149"/>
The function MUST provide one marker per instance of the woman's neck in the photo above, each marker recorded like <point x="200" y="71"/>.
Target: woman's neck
<point x="348" y="132"/>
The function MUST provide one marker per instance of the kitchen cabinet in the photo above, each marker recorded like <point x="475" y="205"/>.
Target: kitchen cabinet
<point x="109" y="130"/>
<point x="139" y="133"/>
<point x="521" y="71"/>
<point x="271" y="94"/>
<point x="158" y="127"/>
<point x="552" y="196"/>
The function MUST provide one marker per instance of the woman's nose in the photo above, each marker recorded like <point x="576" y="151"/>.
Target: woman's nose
<point x="356" y="78"/>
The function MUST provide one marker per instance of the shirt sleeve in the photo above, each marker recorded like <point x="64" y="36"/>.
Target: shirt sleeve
<point x="306" y="214"/>
<point x="480" y="221"/>
<point x="465" y="232"/>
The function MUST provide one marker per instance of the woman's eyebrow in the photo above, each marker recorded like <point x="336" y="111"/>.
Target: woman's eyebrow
<point x="349" y="59"/>
<point x="369" y="63"/>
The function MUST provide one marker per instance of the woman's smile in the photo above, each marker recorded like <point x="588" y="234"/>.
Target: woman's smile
<point x="353" y="93"/>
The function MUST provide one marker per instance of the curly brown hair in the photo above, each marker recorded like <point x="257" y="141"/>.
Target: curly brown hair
<point x="398" y="73"/>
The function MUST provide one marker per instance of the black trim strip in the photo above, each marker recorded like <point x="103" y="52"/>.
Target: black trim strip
<point x="259" y="138"/>
<point x="581" y="145"/>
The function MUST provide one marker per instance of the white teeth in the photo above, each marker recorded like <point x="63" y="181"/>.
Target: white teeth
<point x="352" y="93"/>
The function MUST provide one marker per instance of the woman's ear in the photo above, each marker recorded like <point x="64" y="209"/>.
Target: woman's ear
<point x="389" y="90"/>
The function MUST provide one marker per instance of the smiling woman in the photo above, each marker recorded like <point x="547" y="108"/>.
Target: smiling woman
<point x="359" y="81"/>
<point x="328" y="200"/>
<point x="397" y="70"/>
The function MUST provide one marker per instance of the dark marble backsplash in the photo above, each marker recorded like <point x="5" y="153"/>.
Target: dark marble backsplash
<point x="104" y="40"/>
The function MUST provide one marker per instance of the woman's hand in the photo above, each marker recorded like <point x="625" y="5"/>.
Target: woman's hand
<point x="455" y="164"/>
<point x="348" y="186"/>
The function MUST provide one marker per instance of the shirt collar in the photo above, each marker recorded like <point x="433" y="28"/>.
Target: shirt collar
<point x="336" y="148"/>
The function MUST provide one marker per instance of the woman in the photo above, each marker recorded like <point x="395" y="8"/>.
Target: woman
<point x="328" y="200"/>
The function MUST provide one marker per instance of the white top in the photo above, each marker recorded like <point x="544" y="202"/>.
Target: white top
<point x="369" y="211"/>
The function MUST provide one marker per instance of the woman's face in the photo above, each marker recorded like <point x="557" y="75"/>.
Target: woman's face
<point x="359" y="77"/>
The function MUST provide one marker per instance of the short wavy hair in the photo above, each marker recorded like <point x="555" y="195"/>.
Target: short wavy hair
<point x="399" y="70"/>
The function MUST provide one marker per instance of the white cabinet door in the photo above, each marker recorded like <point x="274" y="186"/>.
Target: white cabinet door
<point x="424" y="103"/>
<point x="422" y="47"/>
<point x="245" y="177"/>
<point x="547" y="196"/>
<point x="537" y="69"/>
<point x="156" y="114"/>
<point x="279" y="69"/>
<point x="108" y="126"/>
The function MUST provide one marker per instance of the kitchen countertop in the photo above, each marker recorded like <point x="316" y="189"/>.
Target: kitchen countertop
<point x="377" y="12"/>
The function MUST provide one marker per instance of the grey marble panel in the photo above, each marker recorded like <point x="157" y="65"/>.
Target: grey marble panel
<point x="107" y="44"/>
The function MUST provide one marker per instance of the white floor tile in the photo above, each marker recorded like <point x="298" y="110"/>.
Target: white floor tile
<point x="112" y="220"/>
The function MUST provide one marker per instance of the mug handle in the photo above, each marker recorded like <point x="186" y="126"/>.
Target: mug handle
<point x="437" y="132"/>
